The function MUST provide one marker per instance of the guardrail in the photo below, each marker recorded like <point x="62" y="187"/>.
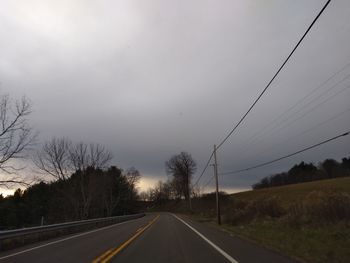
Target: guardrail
<point x="21" y="236"/>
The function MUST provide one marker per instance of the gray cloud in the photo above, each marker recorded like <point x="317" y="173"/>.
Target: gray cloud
<point x="151" y="79"/>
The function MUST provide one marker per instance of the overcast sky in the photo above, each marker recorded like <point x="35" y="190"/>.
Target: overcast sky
<point x="150" y="79"/>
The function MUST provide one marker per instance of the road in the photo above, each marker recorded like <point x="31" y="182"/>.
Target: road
<point x="154" y="238"/>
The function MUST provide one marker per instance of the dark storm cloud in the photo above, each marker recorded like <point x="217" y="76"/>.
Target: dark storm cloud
<point x="152" y="78"/>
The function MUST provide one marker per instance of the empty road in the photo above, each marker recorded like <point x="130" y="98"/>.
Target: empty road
<point x="154" y="238"/>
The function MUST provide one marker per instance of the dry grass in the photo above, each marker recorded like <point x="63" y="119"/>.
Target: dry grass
<point x="289" y="194"/>
<point x="309" y="221"/>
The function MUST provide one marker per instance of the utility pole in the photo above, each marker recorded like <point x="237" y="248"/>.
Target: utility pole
<point x="189" y="198"/>
<point x="217" y="186"/>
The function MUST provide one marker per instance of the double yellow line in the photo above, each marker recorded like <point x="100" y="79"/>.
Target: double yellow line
<point x="109" y="254"/>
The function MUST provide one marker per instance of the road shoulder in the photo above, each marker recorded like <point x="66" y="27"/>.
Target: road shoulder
<point x="240" y="248"/>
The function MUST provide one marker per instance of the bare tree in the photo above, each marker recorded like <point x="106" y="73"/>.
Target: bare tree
<point x="84" y="155"/>
<point x="99" y="156"/>
<point x="54" y="158"/>
<point x="59" y="157"/>
<point x="16" y="137"/>
<point x="133" y="176"/>
<point x="111" y="192"/>
<point x="182" y="167"/>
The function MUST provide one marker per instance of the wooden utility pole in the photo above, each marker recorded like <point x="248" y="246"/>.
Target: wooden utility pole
<point x="217" y="186"/>
<point x="189" y="198"/>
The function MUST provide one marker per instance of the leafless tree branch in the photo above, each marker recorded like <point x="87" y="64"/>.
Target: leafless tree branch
<point x="60" y="157"/>
<point x="16" y="136"/>
<point x="54" y="158"/>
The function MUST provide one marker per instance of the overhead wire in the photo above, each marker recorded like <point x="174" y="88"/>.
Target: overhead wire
<point x="205" y="168"/>
<point x="264" y="90"/>
<point x="208" y="182"/>
<point x="288" y="155"/>
<point x="313" y="108"/>
<point x="310" y="110"/>
<point x="332" y="118"/>
<point x="273" y="78"/>
<point x="270" y="125"/>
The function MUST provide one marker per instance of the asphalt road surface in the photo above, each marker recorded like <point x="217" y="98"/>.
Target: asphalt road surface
<point x="154" y="238"/>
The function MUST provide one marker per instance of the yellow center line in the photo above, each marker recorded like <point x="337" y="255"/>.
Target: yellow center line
<point x="108" y="255"/>
<point x="102" y="256"/>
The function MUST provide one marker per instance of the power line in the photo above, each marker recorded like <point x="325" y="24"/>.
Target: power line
<point x="269" y="126"/>
<point x="289" y="123"/>
<point x="332" y="118"/>
<point x="312" y="109"/>
<point x="287" y="156"/>
<point x="308" y="130"/>
<point x="273" y="78"/>
<point x="205" y="168"/>
<point x="264" y="90"/>
<point x="323" y="122"/>
<point x="209" y="181"/>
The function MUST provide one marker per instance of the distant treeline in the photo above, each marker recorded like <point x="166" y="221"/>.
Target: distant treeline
<point x="82" y="184"/>
<point x="90" y="193"/>
<point x="307" y="172"/>
<point x="181" y="167"/>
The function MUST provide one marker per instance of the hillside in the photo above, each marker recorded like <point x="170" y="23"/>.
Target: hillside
<point x="309" y="222"/>
<point x="296" y="192"/>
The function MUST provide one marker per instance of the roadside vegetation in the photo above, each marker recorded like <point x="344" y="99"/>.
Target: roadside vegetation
<point x="307" y="172"/>
<point x="70" y="181"/>
<point x="304" y="213"/>
<point x="91" y="193"/>
<point x="309" y="222"/>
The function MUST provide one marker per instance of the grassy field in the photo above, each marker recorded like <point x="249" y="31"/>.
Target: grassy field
<point x="306" y="244"/>
<point x="289" y="194"/>
<point x="309" y="222"/>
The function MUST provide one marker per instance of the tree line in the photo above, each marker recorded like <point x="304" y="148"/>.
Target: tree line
<point x="73" y="180"/>
<point x="307" y="172"/>
<point x="77" y="181"/>
<point x="180" y="168"/>
<point x="88" y="193"/>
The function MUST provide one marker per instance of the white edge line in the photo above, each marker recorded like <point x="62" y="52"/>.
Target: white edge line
<point x="65" y="239"/>
<point x="227" y="256"/>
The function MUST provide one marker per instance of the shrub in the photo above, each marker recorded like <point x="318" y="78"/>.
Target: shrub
<point x="241" y="212"/>
<point x="269" y="207"/>
<point x="328" y="207"/>
<point x="320" y="207"/>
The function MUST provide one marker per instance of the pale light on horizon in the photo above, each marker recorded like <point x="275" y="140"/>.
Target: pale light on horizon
<point x="146" y="183"/>
<point x="7" y="192"/>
